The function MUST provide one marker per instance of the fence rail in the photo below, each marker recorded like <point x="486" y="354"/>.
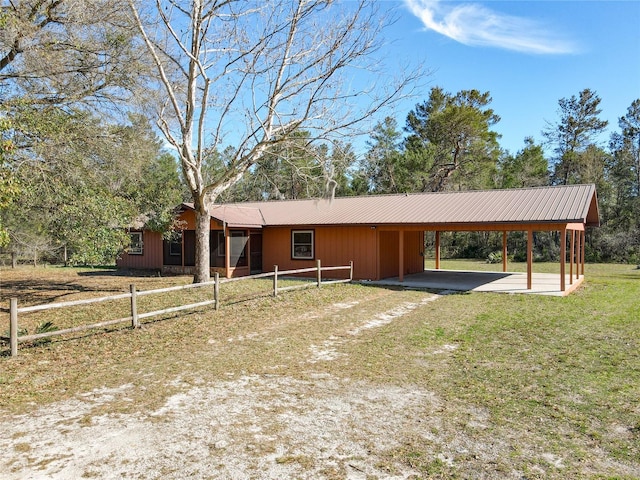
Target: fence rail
<point x="14" y="338"/>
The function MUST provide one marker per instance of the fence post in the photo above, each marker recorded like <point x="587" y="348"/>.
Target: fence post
<point x="319" y="274"/>
<point x="135" y="323"/>
<point x="216" y="289"/>
<point x="275" y="280"/>
<point x="13" y="326"/>
<point x="351" y="271"/>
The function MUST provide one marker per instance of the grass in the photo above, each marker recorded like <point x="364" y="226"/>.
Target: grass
<point x="553" y="382"/>
<point x="559" y="373"/>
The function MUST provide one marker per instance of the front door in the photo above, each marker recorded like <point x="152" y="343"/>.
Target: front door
<point x="256" y="252"/>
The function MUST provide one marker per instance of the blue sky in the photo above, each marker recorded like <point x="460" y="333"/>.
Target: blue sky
<point x="527" y="54"/>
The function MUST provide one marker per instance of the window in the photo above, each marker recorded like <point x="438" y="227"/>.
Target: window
<point x="175" y="244"/>
<point x="302" y="244"/>
<point x="135" y="243"/>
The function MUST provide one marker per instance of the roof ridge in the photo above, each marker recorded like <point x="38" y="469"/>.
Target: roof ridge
<point x="406" y="194"/>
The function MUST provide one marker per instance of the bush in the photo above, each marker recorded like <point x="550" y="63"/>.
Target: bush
<point x="494" y="257"/>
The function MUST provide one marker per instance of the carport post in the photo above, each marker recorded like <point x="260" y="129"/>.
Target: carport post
<point x="579" y="247"/>
<point x="529" y="259"/>
<point x="437" y="248"/>
<point x="572" y="249"/>
<point x="563" y="258"/>
<point x="401" y="256"/>
<point x="583" y="234"/>
<point x="504" y="251"/>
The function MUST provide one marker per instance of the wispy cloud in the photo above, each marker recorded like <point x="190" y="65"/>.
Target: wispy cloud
<point x="475" y="25"/>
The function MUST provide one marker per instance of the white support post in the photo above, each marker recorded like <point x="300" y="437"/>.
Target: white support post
<point x="319" y="274"/>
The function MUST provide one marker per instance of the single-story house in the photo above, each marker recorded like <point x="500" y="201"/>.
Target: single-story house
<point x="382" y="234"/>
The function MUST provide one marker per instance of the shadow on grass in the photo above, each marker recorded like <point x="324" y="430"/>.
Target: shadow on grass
<point x="5" y="350"/>
<point x="121" y="272"/>
<point x="40" y="290"/>
<point x="45" y="291"/>
<point x="417" y="288"/>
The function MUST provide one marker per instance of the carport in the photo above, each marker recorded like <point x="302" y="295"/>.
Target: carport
<point x="567" y="210"/>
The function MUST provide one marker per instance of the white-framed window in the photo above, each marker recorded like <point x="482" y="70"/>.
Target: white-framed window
<point x="135" y="243"/>
<point x="302" y="247"/>
<point x="175" y="244"/>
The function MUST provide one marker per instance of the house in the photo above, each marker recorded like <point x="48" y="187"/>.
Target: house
<point x="382" y="234"/>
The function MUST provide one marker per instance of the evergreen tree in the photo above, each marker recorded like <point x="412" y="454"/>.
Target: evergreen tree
<point x="383" y="168"/>
<point x="527" y="168"/>
<point x="450" y="142"/>
<point x="577" y="129"/>
<point x="623" y="173"/>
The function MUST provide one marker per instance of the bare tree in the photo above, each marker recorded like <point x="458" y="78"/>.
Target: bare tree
<point x="253" y="73"/>
<point x="61" y="52"/>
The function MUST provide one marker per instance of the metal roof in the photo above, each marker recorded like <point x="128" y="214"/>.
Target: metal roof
<point x="558" y="204"/>
<point x="237" y="215"/>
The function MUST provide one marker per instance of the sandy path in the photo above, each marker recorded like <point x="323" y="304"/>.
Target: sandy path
<point x="268" y="426"/>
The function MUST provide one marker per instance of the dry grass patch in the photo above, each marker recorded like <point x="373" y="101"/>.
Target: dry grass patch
<point x="345" y="381"/>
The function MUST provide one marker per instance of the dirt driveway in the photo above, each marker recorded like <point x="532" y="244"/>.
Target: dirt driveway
<point x="311" y="425"/>
<point x="342" y="382"/>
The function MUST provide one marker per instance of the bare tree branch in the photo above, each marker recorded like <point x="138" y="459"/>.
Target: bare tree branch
<point x="252" y="74"/>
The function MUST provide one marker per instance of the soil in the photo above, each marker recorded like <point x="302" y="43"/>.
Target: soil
<point x="248" y="426"/>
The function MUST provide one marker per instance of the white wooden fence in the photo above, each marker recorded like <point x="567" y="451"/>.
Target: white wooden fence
<point x="14" y="339"/>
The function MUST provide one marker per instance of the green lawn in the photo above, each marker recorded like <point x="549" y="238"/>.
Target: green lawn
<point x="551" y="373"/>
<point x="550" y="385"/>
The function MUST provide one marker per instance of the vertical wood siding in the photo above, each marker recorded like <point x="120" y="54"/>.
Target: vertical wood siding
<point x="389" y="254"/>
<point x="389" y="243"/>
<point x="413" y="252"/>
<point x="333" y="246"/>
<point x="374" y="253"/>
<point x="151" y="253"/>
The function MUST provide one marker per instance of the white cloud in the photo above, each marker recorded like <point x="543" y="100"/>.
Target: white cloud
<point x="475" y="25"/>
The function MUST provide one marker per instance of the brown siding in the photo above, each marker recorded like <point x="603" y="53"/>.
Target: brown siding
<point x="151" y="253"/>
<point x="413" y="252"/>
<point x="389" y="242"/>
<point x="333" y="246"/>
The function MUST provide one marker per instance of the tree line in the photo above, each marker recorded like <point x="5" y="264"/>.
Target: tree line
<point x="447" y="144"/>
<point x="112" y="114"/>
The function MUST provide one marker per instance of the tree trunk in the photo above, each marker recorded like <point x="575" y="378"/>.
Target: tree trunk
<point x="14" y="259"/>
<point x="203" y="231"/>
